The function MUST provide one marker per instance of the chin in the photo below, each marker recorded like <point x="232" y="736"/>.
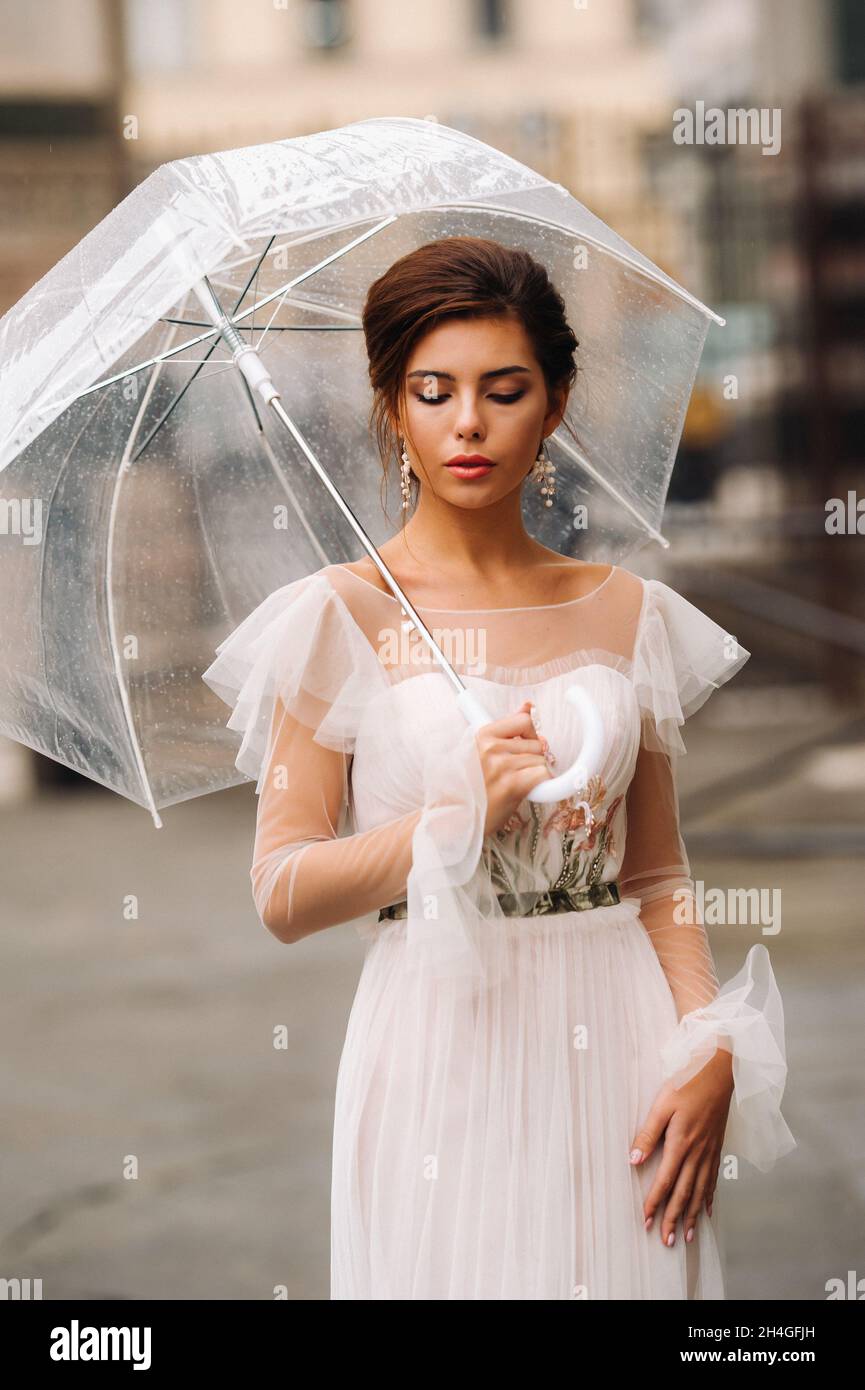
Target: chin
<point x="474" y="494"/>
<point x="474" y="502"/>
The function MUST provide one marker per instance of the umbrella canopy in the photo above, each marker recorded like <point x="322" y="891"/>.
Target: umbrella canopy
<point x="151" y="502"/>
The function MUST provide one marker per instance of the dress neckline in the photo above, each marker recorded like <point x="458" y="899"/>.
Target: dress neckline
<point x="527" y="608"/>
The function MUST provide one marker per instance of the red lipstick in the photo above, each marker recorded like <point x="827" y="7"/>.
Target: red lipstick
<point x="470" y="465"/>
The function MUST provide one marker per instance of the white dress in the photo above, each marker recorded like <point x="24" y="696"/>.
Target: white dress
<point x="496" y="1068"/>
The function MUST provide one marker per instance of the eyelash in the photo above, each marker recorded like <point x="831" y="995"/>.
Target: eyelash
<point x="504" y="400"/>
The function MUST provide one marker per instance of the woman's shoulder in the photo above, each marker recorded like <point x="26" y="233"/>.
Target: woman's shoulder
<point x="355" y="592"/>
<point x="341" y="575"/>
<point x="322" y="585"/>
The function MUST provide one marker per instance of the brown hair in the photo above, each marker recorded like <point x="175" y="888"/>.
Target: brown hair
<point x="457" y="277"/>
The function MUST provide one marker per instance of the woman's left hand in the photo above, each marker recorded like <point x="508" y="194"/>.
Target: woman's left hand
<point x="694" y="1118"/>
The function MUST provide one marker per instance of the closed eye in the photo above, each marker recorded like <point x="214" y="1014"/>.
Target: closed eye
<point x="437" y="400"/>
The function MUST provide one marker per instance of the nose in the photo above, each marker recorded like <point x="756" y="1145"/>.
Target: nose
<point x="469" y="424"/>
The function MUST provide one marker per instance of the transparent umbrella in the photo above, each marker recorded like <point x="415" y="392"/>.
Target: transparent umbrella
<point x="185" y="425"/>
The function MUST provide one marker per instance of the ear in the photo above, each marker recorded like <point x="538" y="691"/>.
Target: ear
<point x="395" y="424"/>
<point x="558" y="406"/>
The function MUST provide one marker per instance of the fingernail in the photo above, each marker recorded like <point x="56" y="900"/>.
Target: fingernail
<point x="649" y="1220"/>
<point x="671" y="1237"/>
<point x="635" y="1155"/>
<point x="689" y="1234"/>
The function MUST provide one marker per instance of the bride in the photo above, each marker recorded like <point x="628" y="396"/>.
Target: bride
<point x="542" y="1079"/>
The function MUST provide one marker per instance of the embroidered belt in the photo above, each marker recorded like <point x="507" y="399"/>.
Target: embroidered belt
<point x="538" y="904"/>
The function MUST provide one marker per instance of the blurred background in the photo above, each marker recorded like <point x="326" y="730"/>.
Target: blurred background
<point x="157" y="1144"/>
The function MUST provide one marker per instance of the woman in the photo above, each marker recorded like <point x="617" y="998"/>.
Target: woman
<point x="539" y="1067"/>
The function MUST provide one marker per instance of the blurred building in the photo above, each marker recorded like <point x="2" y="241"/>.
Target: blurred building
<point x="95" y="94"/>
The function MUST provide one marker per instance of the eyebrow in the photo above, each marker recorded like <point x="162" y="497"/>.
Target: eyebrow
<point x="497" y="371"/>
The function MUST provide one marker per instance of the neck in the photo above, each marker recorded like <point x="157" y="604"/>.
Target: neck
<point x="470" y="542"/>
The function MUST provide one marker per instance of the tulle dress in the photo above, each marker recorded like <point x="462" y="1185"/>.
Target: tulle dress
<point x="496" y="1067"/>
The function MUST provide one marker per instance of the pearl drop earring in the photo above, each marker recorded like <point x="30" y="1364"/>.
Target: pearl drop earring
<point x="544" y="473"/>
<point x="405" y="478"/>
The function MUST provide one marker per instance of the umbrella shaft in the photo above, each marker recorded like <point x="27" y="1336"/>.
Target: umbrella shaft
<point x="368" y="546"/>
<point x="212" y="306"/>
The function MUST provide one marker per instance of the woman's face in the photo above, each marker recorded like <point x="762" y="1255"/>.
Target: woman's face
<point x="475" y="387"/>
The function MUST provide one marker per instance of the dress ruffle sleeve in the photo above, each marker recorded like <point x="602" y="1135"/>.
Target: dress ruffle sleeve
<point x="747" y="1019"/>
<point x="681" y="656"/>
<point x="300" y="645"/>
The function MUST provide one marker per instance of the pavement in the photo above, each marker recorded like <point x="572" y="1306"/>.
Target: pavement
<point x="158" y="1145"/>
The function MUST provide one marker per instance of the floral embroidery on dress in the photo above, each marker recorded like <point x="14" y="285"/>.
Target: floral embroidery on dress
<point x="570" y="815"/>
<point x="586" y="841"/>
<point x="584" y="851"/>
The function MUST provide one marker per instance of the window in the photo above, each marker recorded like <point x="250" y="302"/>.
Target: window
<point x="325" y="23"/>
<point x="849" y="33"/>
<point x="653" y="19"/>
<point x="491" y="18"/>
<point x="159" y="35"/>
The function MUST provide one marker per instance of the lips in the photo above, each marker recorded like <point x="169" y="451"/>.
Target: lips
<point x="469" y="461"/>
<point x="475" y="467"/>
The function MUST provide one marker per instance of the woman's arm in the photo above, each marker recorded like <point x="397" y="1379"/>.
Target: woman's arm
<point x="691" y="1119"/>
<point x="303" y="877"/>
<point x="656" y="870"/>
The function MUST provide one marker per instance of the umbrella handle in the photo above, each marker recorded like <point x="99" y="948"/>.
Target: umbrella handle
<point x="576" y="779"/>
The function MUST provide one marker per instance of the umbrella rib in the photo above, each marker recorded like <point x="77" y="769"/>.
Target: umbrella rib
<point x="122" y="470"/>
<point x="253" y="274"/>
<point x="289" y="492"/>
<point x="609" y="487"/>
<point x="252" y="327"/>
<point x="299" y="301"/>
<point x="282" y="327"/>
<point x="654" y="275"/>
<point x="320" y="265"/>
<point x="177" y="399"/>
<point x="182" y="392"/>
<point x="140" y="367"/>
<point x="253" y="279"/>
<point x="201" y="337"/>
<point x="43" y="549"/>
<point x="307" y="274"/>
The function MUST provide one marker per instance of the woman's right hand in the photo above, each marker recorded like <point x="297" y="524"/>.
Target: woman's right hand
<point x="512" y="759"/>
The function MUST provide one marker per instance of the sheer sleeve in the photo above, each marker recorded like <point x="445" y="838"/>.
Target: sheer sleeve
<point x="299" y="677"/>
<point x="680" y="657"/>
<point x="656" y="870"/>
<point x="306" y="872"/>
